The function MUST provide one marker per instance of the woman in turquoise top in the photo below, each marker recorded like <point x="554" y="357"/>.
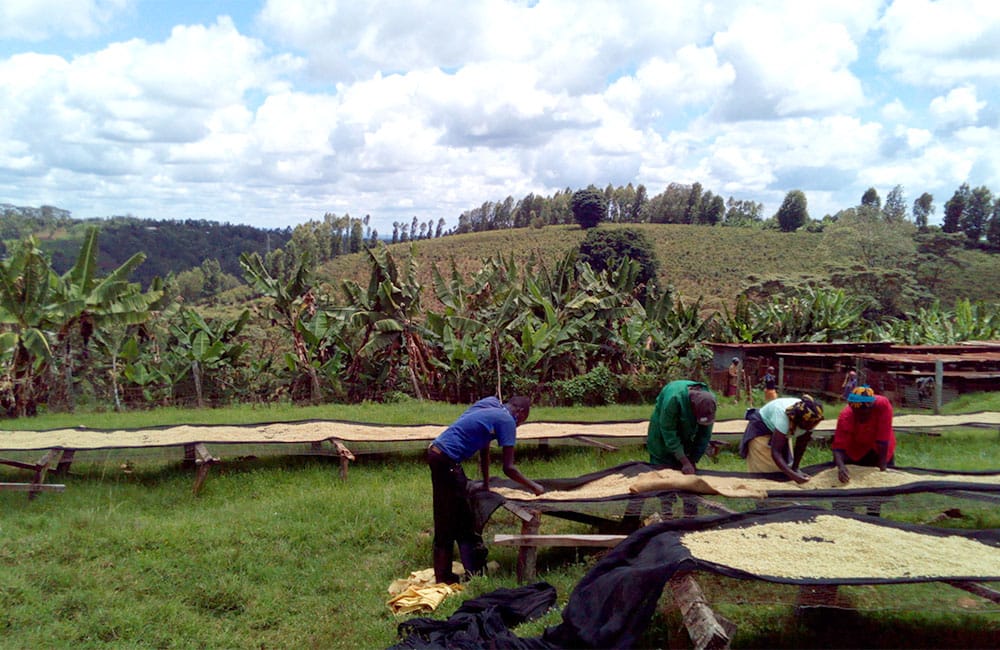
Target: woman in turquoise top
<point x="777" y="435"/>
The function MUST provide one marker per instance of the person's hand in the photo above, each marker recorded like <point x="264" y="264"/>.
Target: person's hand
<point x="687" y="467"/>
<point x="843" y="475"/>
<point x="537" y="489"/>
<point x="800" y="477"/>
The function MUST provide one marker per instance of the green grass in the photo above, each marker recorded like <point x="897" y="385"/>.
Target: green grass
<point x="278" y="552"/>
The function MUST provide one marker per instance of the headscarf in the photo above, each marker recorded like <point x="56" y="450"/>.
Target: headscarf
<point x="805" y="413"/>
<point x="861" y="397"/>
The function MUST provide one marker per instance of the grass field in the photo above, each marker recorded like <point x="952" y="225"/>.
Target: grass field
<point x="701" y="262"/>
<point x="278" y="552"/>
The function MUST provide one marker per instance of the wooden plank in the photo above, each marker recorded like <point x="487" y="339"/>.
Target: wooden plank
<point x="32" y="487"/>
<point x="595" y="443"/>
<point x="708" y="630"/>
<point x="708" y="504"/>
<point x="605" y="541"/>
<point x="31" y="467"/>
<point x="521" y="513"/>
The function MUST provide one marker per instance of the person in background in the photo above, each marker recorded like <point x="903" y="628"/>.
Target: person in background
<point x="474" y="430"/>
<point x="777" y="434"/>
<point x="733" y="380"/>
<point x="864" y="434"/>
<point x="850" y="383"/>
<point x="770" y="385"/>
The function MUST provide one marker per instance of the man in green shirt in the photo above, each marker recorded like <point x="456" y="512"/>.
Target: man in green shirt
<point x="681" y="425"/>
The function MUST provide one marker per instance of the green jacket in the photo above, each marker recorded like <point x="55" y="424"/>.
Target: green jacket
<point x="672" y="426"/>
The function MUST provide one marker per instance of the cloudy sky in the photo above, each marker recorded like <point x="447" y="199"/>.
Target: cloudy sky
<point x="272" y="113"/>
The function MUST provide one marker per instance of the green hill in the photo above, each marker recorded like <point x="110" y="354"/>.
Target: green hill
<point x="708" y="262"/>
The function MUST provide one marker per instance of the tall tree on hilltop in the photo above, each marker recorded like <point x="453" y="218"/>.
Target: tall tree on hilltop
<point x="871" y="199"/>
<point x="894" y="210"/>
<point x="955" y="207"/>
<point x="693" y="209"/>
<point x="977" y="211"/>
<point x="993" y="226"/>
<point x="589" y="207"/>
<point x="792" y="214"/>
<point x="923" y="208"/>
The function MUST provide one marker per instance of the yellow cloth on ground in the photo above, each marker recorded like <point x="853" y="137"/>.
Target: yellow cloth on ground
<point x="672" y="479"/>
<point x="419" y="592"/>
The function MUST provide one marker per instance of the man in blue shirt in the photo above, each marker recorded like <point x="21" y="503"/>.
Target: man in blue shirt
<point x="485" y="421"/>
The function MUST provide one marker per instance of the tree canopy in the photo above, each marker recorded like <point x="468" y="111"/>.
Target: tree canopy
<point x="792" y="214"/>
<point x="589" y="207"/>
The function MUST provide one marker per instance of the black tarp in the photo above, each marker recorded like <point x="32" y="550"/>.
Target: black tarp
<point x="612" y="605"/>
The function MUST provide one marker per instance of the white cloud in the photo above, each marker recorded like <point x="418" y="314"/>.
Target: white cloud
<point x="430" y="109"/>
<point x="959" y="107"/>
<point x="35" y="20"/>
<point x="895" y="111"/>
<point x="942" y="42"/>
<point x="791" y="59"/>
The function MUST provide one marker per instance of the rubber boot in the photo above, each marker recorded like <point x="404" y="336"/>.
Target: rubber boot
<point x="442" y="566"/>
<point x="473" y="557"/>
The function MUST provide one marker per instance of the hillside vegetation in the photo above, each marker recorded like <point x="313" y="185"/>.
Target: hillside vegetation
<point x="711" y="263"/>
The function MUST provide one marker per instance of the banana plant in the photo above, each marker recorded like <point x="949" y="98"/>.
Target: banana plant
<point x="85" y="303"/>
<point x="392" y="339"/>
<point x="292" y="302"/>
<point x="27" y="288"/>
<point x="198" y="347"/>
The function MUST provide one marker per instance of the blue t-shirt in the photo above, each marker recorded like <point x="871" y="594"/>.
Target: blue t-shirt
<point x="486" y="420"/>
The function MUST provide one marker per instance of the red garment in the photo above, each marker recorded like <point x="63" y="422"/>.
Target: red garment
<point x="856" y="438"/>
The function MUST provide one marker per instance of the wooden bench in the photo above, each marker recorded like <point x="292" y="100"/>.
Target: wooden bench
<point x="39" y="469"/>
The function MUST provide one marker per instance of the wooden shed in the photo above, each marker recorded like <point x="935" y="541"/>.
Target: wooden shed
<point x="909" y="375"/>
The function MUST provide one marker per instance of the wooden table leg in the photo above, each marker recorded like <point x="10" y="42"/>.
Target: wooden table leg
<point x="62" y="468"/>
<point x="707" y="629"/>
<point x="527" y="556"/>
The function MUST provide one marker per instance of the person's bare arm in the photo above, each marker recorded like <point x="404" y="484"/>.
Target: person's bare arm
<point x="800" y="449"/>
<point x="883" y="454"/>
<point x="512" y="472"/>
<point x="779" y="451"/>
<point x="843" y="475"/>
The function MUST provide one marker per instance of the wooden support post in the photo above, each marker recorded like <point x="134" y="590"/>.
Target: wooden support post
<point x="189" y="455"/>
<point x="345" y="457"/>
<point x="41" y="468"/>
<point x="203" y="461"/>
<point x="708" y="630"/>
<point x="527" y="556"/>
<point x="62" y="468"/>
<point x="938" y="385"/>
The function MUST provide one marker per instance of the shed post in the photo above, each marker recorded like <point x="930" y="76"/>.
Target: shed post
<point x="938" y="385"/>
<point x="781" y="375"/>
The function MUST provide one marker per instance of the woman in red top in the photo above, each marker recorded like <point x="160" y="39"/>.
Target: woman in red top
<point x="864" y="434"/>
